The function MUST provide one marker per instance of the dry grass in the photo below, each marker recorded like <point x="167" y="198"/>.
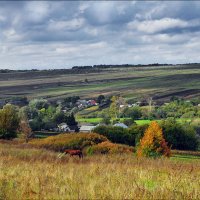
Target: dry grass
<point x="39" y="174"/>
<point x="68" y="141"/>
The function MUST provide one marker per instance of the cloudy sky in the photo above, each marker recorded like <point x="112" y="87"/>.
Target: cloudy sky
<point x="62" y="34"/>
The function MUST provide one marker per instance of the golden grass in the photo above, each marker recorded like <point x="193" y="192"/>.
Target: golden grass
<point x="111" y="148"/>
<point x="27" y="173"/>
<point x="69" y="141"/>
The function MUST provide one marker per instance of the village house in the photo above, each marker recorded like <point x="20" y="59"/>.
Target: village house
<point x="121" y="125"/>
<point x="92" y="103"/>
<point x="86" y="128"/>
<point x="63" y="127"/>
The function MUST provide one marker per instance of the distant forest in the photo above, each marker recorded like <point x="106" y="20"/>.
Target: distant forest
<point x="76" y="69"/>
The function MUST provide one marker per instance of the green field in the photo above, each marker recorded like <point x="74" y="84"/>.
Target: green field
<point x="139" y="122"/>
<point x="98" y="120"/>
<point x="130" y="82"/>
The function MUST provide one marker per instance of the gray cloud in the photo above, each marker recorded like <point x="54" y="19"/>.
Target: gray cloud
<point x="63" y="34"/>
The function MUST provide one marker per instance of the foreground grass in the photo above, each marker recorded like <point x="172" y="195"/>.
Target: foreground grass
<point x="27" y="173"/>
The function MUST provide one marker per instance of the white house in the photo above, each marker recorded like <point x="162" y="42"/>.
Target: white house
<point x="121" y="125"/>
<point x="86" y="129"/>
<point x="63" y="127"/>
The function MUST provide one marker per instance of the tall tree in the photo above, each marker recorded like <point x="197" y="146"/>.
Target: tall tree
<point x="153" y="143"/>
<point x="25" y="130"/>
<point x="114" y="110"/>
<point x="9" y="121"/>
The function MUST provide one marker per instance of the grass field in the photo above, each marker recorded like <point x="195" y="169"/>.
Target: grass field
<point x="139" y="122"/>
<point x="27" y="173"/>
<point x="133" y="82"/>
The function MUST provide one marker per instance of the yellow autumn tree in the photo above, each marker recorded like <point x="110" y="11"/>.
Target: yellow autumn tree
<point x="153" y="143"/>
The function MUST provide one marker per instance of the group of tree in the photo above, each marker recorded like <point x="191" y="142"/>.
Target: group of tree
<point x="13" y="123"/>
<point x="43" y="115"/>
<point x="178" y="136"/>
<point x="37" y="115"/>
<point x="177" y="108"/>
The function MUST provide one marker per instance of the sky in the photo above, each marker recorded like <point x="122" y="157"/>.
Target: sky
<point x="63" y="34"/>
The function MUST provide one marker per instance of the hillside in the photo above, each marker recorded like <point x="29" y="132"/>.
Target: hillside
<point x="161" y="82"/>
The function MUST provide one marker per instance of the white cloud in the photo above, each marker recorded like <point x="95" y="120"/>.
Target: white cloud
<point x="36" y="10"/>
<point x="70" y="25"/>
<point x="154" y="26"/>
<point x="68" y="33"/>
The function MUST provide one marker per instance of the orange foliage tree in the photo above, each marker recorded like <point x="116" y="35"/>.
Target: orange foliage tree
<point x="153" y="144"/>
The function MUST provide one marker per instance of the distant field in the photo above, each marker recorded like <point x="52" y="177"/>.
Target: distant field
<point x="27" y="173"/>
<point x="131" y="82"/>
<point x="139" y="122"/>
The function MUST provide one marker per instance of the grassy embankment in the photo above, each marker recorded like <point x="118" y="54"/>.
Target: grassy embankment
<point x="28" y="173"/>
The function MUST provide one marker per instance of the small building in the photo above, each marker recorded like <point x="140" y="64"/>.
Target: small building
<point x="92" y="103"/>
<point x="86" y="129"/>
<point x="121" y="125"/>
<point x="63" y="127"/>
<point x="83" y="102"/>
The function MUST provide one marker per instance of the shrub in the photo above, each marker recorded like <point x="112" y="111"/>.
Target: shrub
<point x="153" y="144"/>
<point x="178" y="136"/>
<point x="69" y="141"/>
<point x="129" y="122"/>
<point x="108" y="147"/>
<point x="115" y="134"/>
<point x="136" y="132"/>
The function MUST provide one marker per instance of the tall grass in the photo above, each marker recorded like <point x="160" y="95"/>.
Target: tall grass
<point x="27" y="173"/>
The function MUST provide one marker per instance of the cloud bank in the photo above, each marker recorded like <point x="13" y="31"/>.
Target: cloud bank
<point x="62" y="34"/>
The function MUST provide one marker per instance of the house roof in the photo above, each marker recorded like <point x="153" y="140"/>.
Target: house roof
<point x="86" y="128"/>
<point x="62" y="124"/>
<point x="121" y="125"/>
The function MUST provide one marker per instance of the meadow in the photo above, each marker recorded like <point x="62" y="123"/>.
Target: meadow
<point x="161" y="82"/>
<point x="29" y="173"/>
<point x="138" y="122"/>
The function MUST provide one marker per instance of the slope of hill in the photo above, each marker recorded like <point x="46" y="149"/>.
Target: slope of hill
<point x="162" y="82"/>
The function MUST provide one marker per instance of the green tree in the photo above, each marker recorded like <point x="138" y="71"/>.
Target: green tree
<point x="38" y="104"/>
<point x="114" y="110"/>
<point x="9" y="122"/>
<point x="70" y="120"/>
<point x="179" y="136"/>
<point x="106" y="120"/>
<point x="100" y="98"/>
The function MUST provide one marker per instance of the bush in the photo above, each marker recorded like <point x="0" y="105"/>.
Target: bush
<point x="108" y="147"/>
<point x="106" y="120"/>
<point x="178" y="136"/>
<point x="115" y="134"/>
<point x="69" y="141"/>
<point x="134" y="112"/>
<point x="136" y="132"/>
<point x="129" y="122"/>
<point x="5" y="134"/>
